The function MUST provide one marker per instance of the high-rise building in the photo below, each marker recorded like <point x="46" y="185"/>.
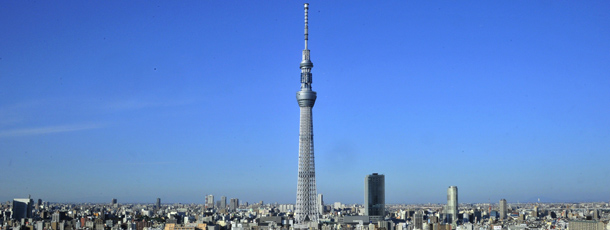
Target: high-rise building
<point x="503" y="209"/>
<point x="320" y="204"/>
<point x="234" y="204"/>
<point x="209" y="201"/>
<point x="223" y="202"/>
<point x="466" y="218"/>
<point x="22" y="208"/>
<point x="58" y="216"/>
<point x="596" y="214"/>
<point x="476" y="216"/>
<point x="306" y="211"/>
<point x="114" y="201"/>
<point x="418" y="219"/>
<point x="158" y="205"/>
<point x="374" y="195"/>
<point x="452" y="205"/>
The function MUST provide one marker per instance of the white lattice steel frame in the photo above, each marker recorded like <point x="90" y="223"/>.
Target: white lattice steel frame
<point x="306" y="208"/>
<point x="306" y="211"/>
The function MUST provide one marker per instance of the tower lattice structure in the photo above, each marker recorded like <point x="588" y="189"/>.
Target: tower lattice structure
<point x="306" y="206"/>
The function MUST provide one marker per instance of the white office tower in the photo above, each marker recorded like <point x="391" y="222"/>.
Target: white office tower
<point x="306" y="213"/>
<point x="320" y="204"/>
<point x="452" y="204"/>
<point x="503" y="209"/>
<point x="209" y="201"/>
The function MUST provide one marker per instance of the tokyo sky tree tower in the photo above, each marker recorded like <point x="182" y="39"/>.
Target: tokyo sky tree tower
<point x="306" y="209"/>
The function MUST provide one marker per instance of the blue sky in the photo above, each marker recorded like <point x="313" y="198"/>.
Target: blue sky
<point x="179" y="99"/>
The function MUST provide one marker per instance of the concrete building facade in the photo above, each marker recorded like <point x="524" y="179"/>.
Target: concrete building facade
<point x="452" y="205"/>
<point x="503" y="209"/>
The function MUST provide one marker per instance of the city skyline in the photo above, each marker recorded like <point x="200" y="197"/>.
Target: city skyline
<point x="178" y="100"/>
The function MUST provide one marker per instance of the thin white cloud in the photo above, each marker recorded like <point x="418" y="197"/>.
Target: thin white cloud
<point x="47" y="130"/>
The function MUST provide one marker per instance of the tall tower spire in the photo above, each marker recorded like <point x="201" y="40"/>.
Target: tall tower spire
<point x="306" y="212"/>
<point x="306" y="64"/>
<point x="306" y="26"/>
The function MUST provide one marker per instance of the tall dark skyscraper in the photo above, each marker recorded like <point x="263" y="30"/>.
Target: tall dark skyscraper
<point x="374" y="195"/>
<point x="22" y="208"/>
<point x="158" y="205"/>
<point x="306" y="211"/>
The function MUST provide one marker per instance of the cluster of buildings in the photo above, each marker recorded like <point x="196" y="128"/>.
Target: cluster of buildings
<point x="26" y="214"/>
<point x="375" y="214"/>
